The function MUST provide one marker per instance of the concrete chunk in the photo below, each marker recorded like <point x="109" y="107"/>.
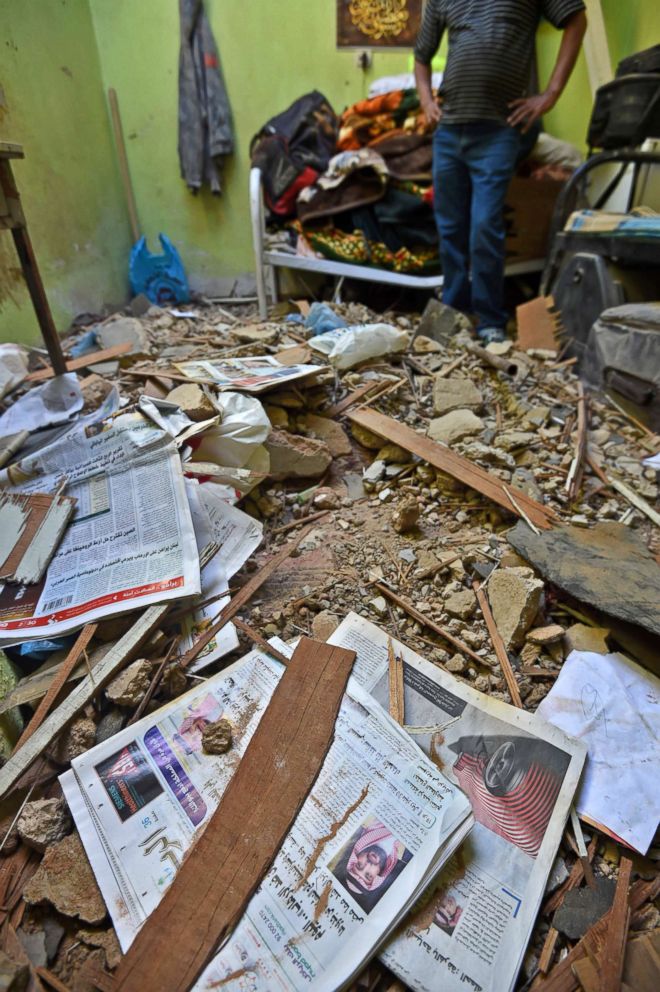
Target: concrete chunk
<point x="455" y="394"/>
<point x="455" y="426"/>
<point x="295" y="457"/>
<point x="515" y="597"/>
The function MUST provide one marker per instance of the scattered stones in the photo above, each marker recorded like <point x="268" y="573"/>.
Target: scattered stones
<point x="325" y="499"/>
<point x="461" y="604"/>
<point x="74" y="741"/>
<point x="217" y="738"/>
<point x="44" y="822"/>
<point x="330" y="432"/>
<point x="324" y="625"/>
<point x="405" y="515"/>
<point x="65" y="880"/>
<point x="546" y="635"/>
<point x="515" y="597"/>
<point x="192" y="399"/>
<point x="441" y="322"/>
<point x="379" y="606"/>
<point x="130" y="686"/>
<point x="455" y="394"/>
<point x="107" y="941"/>
<point x="122" y="330"/>
<point x="455" y="426"/>
<point x="425" y="346"/>
<point x="296" y="457"/>
<point x="457" y="665"/>
<point x="581" y="637"/>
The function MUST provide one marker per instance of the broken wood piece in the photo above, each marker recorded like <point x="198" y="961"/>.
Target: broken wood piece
<point x="226" y="864"/>
<point x="498" y="645"/>
<point x="299" y="522"/>
<point x="427" y="622"/>
<point x="32" y="526"/>
<point x="395" y="672"/>
<point x="66" y="669"/>
<point x="536" y="324"/>
<point x="93" y="358"/>
<point x="51" y="980"/>
<point x="119" y="655"/>
<point x="352" y="398"/>
<point x="260" y="641"/>
<point x="613" y="953"/>
<point x="459" y="467"/>
<point x="242" y="597"/>
<point x="576" y="472"/>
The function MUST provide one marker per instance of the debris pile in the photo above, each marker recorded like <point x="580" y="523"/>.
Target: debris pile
<point x="199" y="495"/>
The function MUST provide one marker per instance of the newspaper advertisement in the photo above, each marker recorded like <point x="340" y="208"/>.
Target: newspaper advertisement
<point x="237" y="536"/>
<point x="254" y="375"/>
<point x="472" y="927"/>
<point x="378" y="824"/>
<point x="131" y="542"/>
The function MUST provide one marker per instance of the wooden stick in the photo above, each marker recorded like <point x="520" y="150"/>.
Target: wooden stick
<point x="574" y="480"/>
<point x="63" y="675"/>
<point x="427" y="622"/>
<point x="352" y="398"/>
<point x="498" y="644"/>
<point x="83" y="362"/>
<point x="298" y="523"/>
<point x="260" y="641"/>
<point x="241" y="598"/>
<point x="395" y="673"/>
<point x="238" y="845"/>
<point x="50" y="979"/>
<point x="448" y="369"/>
<point x="614" y="951"/>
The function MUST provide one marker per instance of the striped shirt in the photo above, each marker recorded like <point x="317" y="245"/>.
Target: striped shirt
<point x="491" y="47"/>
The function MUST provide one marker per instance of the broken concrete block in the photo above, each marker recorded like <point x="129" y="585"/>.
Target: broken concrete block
<point x="123" y="330"/>
<point x="324" y="625"/>
<point x="393" y="454"/>
<point x="44" y="822"/>
<point x="74" y="741"/>
<point x="329" y="431"/>
<point x="130" y="686"/>
<point x="325" y="499"/>
<point x="546" y="635"/>
<point x="457" y="665"/>
<point x="379" y="606"/>
<point x="581" y="637"/>
<point x="510" y="440"/>
<point x="441" y="322"/>
<point x="425" y="346"/>
<point x="14" y="977"/>
<point x="366" y="438"/>
<point x="65" y="880"/>
<point x="192" y="399"/>
<point x="277" y="415"/>
<point x="107" y="941"/>
<point x="461" y="604"/>
<point x="515" y="598"/>
<point x="455" y="426"/>
<point x="455" y="394"/>
<point x="217" y="737"/>
<point x="34" y="945"/>
<point x="405" y="515"/>
<point x="295" y="457"/>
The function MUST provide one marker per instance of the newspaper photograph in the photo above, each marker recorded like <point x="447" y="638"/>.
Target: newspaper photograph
<point x="377" y="826"/>
<point x="131" y="541"/>
<point x="520" y="774"/>
<point x="237" y="536"/>
<point x="254" y="375"/>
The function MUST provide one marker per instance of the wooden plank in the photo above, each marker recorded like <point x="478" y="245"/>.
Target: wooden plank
<point x="574" y="480"/>
<point x="84" y="692"/>
<point x="457" y="466"/>
<point x="63" y="674"/>
<point x="106" y="354"/>
<point x="32" y="526"/>
<point x="612" y="957"/>
<point x="498" y="644"/>
<point x="242" y="597"/>
<point x="395" y="672"/>
<point x="226" y="864"/>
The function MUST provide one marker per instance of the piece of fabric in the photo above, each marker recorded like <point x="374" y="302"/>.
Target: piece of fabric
<point x="472" y="168"/>
<point x="293" y="149"/>
<point x="351" y="180"/>
<point x="206" y="133"/>
<point x="491" y="47"/>
<point x="398" y="112"/>
<point x="356" y="249"/>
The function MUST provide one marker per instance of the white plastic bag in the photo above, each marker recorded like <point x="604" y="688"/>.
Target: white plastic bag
<point x="348" y="346"/>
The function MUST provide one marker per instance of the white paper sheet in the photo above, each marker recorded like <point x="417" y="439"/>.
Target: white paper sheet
<point x="613" y="705"/>
<point x="57" y="401"/>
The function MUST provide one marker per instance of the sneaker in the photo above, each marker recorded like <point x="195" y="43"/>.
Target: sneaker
<point x="490" y="334"/>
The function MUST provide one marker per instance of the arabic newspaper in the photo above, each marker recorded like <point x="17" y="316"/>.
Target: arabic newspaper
<point x="131" y="541"/>
<point x="378" y="824"/>
<point x="254" y="375"/>
<point x="520" y="774"/>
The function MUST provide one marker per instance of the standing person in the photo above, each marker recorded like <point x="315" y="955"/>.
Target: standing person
<point x="475" y="146"/>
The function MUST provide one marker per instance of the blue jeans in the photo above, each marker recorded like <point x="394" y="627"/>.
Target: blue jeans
<point x="472" y="168"/>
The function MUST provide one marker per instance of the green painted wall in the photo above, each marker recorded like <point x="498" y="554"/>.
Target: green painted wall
<point x="52" y="102"/>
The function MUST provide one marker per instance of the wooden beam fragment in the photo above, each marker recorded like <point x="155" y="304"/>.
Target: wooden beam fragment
<point x="358" y="394"/>
<point x="498" y="645"/>
<point x="242" y="597"/>
<point x="574" y="480"/>
<point x="93" y="358"/>
<point x="223" y="869"/>
<point x="395" y="672"/>
<point x="446" y="460"/>
<point x="614" y="950"/>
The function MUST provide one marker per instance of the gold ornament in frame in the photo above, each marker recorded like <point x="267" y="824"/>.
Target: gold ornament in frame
<point x="378" y="23"/>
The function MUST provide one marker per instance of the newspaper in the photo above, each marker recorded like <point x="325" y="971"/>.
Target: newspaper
<point x="131" y="542"/>
<point x="237" y="536"/>
<point x="472" y="927"/>
<point x="254" y="375"/>
<point x="378" y="824"/>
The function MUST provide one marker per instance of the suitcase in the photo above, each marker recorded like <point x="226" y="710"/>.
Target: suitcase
<point x="626" y="112"/>
<point x="646" y="61"/>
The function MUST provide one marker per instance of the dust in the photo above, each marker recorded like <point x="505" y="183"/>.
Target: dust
<point x="334" y="830"/>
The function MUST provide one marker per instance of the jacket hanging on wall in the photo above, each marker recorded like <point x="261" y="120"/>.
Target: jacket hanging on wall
<point x="205" y="125"/>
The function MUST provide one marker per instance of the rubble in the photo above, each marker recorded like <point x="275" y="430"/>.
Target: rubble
<point x="217" y="737"/>
<point x="43" y="822"/>
<point x="405" y="516"/>
<point x="193" y="401"/>
<point x="461" y="604"/>
<point x="295" y="457"/>
<point x="65" y="880"/>
<point x="455" y="394"/>
<point x="515" y="597"/>
<point x="455" y="426"/>
<point x="130" y="686"/>
<point x="75" y="740"/>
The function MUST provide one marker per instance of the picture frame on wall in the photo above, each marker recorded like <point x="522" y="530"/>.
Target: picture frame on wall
<point x="378" y="23"/>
